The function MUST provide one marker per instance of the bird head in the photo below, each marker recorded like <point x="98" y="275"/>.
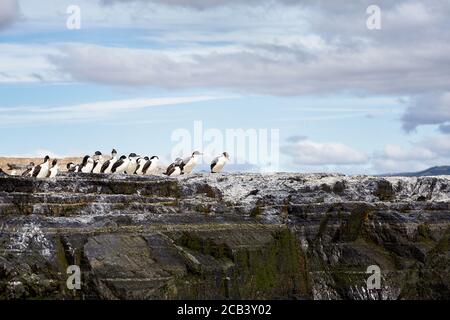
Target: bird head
<point x="97" y="155"/>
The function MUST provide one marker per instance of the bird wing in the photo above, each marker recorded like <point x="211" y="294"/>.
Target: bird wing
<point x="146" y="166"/>
<point x="105" y="166"/>
<point x="26" y="172"/>
<point x="116" y="165"/>
<point x="139" y="165"/>
<point x="214" y="162"/>
<point x="183" y="163"/>
<point x="169" y="169"/>
<point x="37" y="170"/>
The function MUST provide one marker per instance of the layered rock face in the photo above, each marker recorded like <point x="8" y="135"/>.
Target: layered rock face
<point x="225" y="236"/>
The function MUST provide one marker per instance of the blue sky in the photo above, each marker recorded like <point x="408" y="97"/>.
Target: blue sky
<point x="342" y="97"/>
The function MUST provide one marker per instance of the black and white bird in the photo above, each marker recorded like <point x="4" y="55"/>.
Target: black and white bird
<point x="41" y="170"/>
<point x="107" y="166"/>
<point x="132" y="166"/>
<point x="29" y="170"/>
<point x="87" y="165"/>
<point x="53" y="171"/>
<point x="141" y="162"/>
<point x="72" y="167"/>
<point x="219" y="162"/>
<point x="151" y="166"/>
<point x="189" y="163"/>
<point x="98" y="162"/>
<point x="175" y="168"/>
<point x="121" y="165"/>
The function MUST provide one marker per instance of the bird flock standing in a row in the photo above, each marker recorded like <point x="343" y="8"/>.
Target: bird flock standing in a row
<point x="133" y="164"/>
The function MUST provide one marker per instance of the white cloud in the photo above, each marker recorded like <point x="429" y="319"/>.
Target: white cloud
<point x="428" y="152"/>
<point x="395" y="152"/>
<point x="307" y="152"/>
<point x="439" y="145"/>
<point x="332" y="156"/>
<point x="287" y="71"/>
<point x="88" y="111"/>
<point x="28" y="63"/>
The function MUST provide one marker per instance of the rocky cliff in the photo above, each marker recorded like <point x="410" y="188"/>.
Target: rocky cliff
<point x="242" y="236"/>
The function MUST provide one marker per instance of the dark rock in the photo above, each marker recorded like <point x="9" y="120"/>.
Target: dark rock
<point x="224" y="236"/>
<point x="384" y="191"/>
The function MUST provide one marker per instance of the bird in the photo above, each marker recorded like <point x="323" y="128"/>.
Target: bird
<point x="72" y="167"/>
<point x="219" y="162"/>
<point x="175" y="169"/>
<point x="3" y="173"/>
<point x="107" y="166"/>
<point x="189" y="163"/>
<point x="53" y="171"/>
<point x="141" y="162"/>
<point x="151" y="166"/>
<point x="41" y="170"/>
<point x="98" y="162"/>
<point x="131" y="169"/>
<point x="121" y="165"/>
<point x="87" y="165"/>
<point x="29" y="170"/>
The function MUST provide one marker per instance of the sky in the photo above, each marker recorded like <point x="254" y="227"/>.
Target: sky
<point x="306" y="84"/>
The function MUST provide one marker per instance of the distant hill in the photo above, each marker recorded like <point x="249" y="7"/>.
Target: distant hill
<point x="434" y="171"/>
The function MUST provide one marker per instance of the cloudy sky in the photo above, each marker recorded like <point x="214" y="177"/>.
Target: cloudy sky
<point x="343" y="97"/>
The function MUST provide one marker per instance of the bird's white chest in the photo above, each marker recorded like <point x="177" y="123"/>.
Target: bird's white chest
<point x="54" y="171"/>
<point x="123" y="166"/>
<point x="131" y="167"/>
<point x="176" y="171"/>
<point x="111" y="163"/>
<point x="153" y="167"/>
<point x="141" y="166"/>
<point x="220" y="164"/>
<point x="88" y="167"/>
<point x="44" y="171"/>
<point x="98" y="166"/>
<point x="189" y="166"/>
